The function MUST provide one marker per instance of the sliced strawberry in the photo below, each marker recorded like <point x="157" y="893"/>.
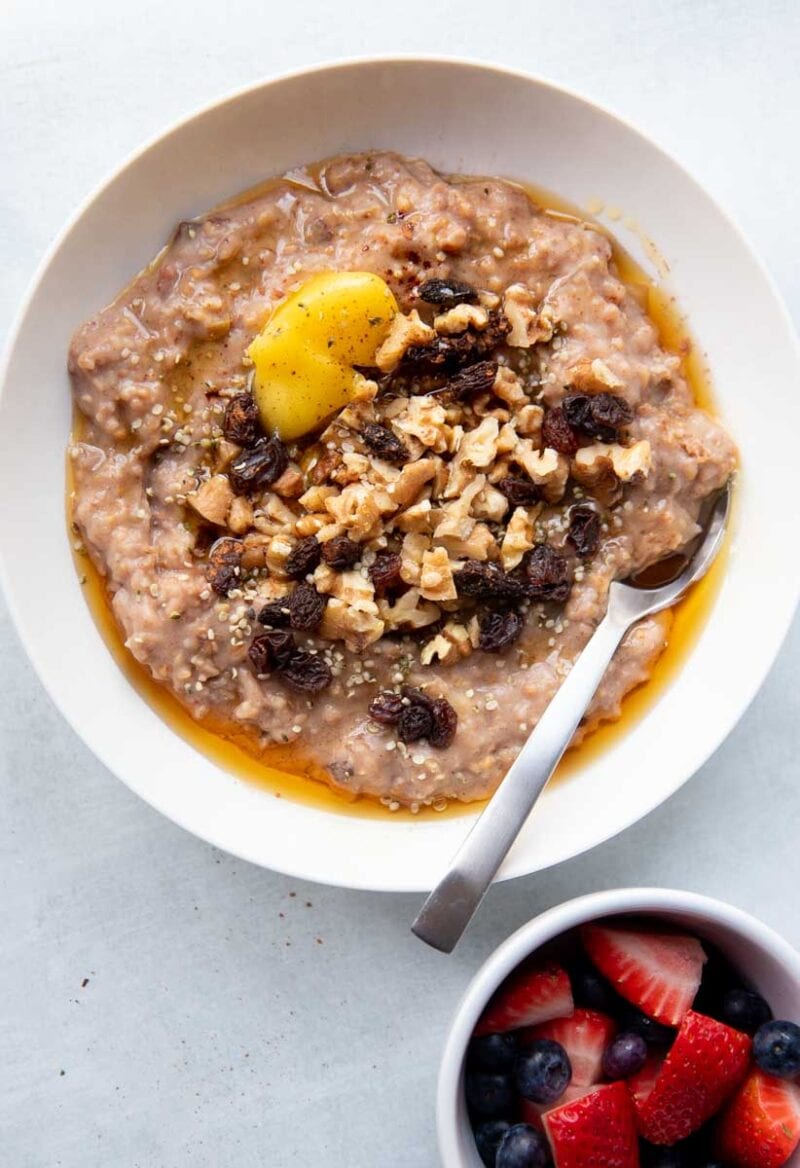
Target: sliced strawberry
<point x="529" y="996"/>
<point x="704" y="1065"/>
<point x="584" y="1037"/>
<point x="761" y="1127"/>
<point x="642" y="1083"/>
<point x="597" y="1131"/>
<point x="534" y="1113"/>
<point x="658" y="971"/>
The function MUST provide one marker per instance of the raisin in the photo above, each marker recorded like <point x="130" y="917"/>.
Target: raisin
<point x="241" y="423"/>
<point x="415" y="722"/>
<point x="386" y="708"/>
<point x="224" y="565"/>
<point x="306" y="607"/>
<point x="275" y="613"/>
<point x="558" y="434"/>
<point x="303" y="558"/>
<point x="445" y="724"/>
<point x="384" y="572"/>
<point x="548" y="574"/>
<point x="475" y="379"/>
<point x="584" y="530"/>
<point x="258" y="467"/>
<point x="498" y="630"/>
<point x="598" y="415"/>
<point x="417" y="697"/>
<point x="519" y="492"/>
<point x="453" y="352"/>
<point x="307" y="673"/>
<point x="446" y="293"/>
<point x="341" y="553"/>
<point x="384" y="443"/>
<point x="489" y="583"/>
<point x="272" y="650"/>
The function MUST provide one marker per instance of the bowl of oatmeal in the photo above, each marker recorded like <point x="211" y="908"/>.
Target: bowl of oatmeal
<point x="356" y="454"/>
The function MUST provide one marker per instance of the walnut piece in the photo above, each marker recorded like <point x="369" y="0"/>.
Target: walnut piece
<point x="593" y="377"/>
<point x="547" y="468"/>
<point x="528" y="324"/>
<point x="212" y="499"/>
<point x="409" y="612"/>
<point x="436" y="576"/>
<point x="425" y="419"/>
<point x="519" y="536"/>
<point x="460" y="318"/>
<point x="628" y="463"/>
<point x="240" y="516"/>
<point x="404" y="332"/>
<point x="357" y="511"/>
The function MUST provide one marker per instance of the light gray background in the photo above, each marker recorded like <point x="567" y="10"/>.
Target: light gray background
<point x="233" y="1018"/>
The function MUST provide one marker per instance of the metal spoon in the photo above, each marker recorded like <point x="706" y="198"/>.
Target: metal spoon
<point x="452" y="904"/>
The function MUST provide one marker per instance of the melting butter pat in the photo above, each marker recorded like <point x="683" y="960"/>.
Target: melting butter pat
<point x="304" y="357"/>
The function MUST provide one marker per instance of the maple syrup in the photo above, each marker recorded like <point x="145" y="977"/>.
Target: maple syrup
<point x="288" y="771"/>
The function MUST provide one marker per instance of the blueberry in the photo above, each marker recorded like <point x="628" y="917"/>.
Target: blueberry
<point x="487" y="1139"/>
<point x="590" y="989"/>
<point x="776" y="1049"/>
<point x="522" y="1147"/>
<point x="654" y="1033"/>
<point x="744" y="1010"/>
<point x="674" y="1157"/>
<point x="492" y="1052"/>
<point x="624" y="1056"/>
<point x="543" y="1071"/>
<point x="489" y="1096"/>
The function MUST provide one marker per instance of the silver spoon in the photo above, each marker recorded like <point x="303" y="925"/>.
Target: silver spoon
<point x="452" y="904"/>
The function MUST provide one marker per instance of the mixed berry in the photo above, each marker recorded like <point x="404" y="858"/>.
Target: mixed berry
<point x="629" y="1045"/>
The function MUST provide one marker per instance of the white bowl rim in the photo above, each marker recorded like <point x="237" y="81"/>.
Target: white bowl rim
<point x="551" y="923"/>
<point x="749" y="688"/>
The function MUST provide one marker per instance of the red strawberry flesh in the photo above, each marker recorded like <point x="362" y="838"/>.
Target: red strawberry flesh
<point x="761" y="1127"/>
<point x="596" y="1131"/>
<point x="526" y="998"/>
<point x="584" y="1036"/>
<point x="657" y="971"/>
<point x="704" y="1066"/>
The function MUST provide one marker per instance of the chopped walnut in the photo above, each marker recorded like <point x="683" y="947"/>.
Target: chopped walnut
<point x="507" y="438"/>
<point x="425" y="419"/>
<point x="412" y="479"/>
<point x="547" y="468"/>
<point x="315" y="497"/>
<point x="404" y="332"/>
<point x="356" y="627"/>
<point x="436" y="576"/>
<point x="455" y="519"/>
<point x="478" y="449"/>
<point x="278" y="552"/>
<point x="508" y="387"/>
<point x="529" y="422"/>
<point x="212" y="499"/>
<point x="240" y="516"/>
<point x="628" y="463"/>
<point x="410" y="611"/>
<point x="460" y="318"/>
<point x="490" y="504"/>
<point x="420" y="517"/>
<point x="224" y="454"/>
<point x="528" y="324"/>
<point x="450" y="645"/>
<point x="519" y="536"/>
<point x="254" y="553"/>
<point x="480" y="544"/>
<point x="357" y="511"/>
<point x="364" y="389"/>
<point x="414" y="546"/>
<point x="290" y="484"/>
<point x="310" y="524"/>
<point x="593" y="377"/>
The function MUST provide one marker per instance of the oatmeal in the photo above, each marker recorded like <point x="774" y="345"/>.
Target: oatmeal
<point x="359" y="457"/>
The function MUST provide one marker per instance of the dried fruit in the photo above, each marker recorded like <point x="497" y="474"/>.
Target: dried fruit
<point x="341" y="553"/>
<point x="384" y="572"/>
<point x="386" y="708"/>
<point x="519" y="492"/>
<point x="445" y="724"/>
<point x="275" y="613"/>
<point x="303" y="558"/>
<point x="307" y="672"/>
<point x="557" y="432"/>
<point x="271" y="651"/>
<point x="498" y="630"/>
<point x="383" y="442"/>
<point x="306" y="607"/>
<point x="489" y="583"/>
<point x="258" y="467"/>
<point x="241" y="423"/>
<point x="415" y="722"/>
<point x="446" y="293"/>
<point x="584" y="530"/>
<point x="224" y="565"/>
<point x="475" y="379"/>
<point x="461" y="349"/>
<point x="548" y="574"/>
<point x="598" y="415"/>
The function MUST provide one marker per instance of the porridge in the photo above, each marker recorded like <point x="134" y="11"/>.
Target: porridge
<point x="358" y="457"/>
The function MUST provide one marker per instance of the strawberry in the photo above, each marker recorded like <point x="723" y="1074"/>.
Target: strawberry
<point x="530" y="995"/>
<point x="642" y="1083"/>
<point x="658" y="971"/>
<point x="704" y="1065"/>
<point x="533" y="1113"/>
<point x="761" y="1127"/>
<point x="584" y="1037"/>
<point x="597" y="1131"/>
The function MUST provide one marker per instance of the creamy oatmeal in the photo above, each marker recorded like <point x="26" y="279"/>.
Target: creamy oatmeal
<point x="359" y="456"/>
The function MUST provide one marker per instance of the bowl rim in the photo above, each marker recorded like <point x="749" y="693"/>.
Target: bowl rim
<point x="549" y="924"/>
<point x="748" y="686"/>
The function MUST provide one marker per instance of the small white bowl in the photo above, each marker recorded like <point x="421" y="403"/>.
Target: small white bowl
<point x="462" y="117"/>
<point x="760" y="954"/>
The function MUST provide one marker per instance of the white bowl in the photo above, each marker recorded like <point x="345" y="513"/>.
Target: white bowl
<point x="462" y="117"/>
<point x="758" y="953"/>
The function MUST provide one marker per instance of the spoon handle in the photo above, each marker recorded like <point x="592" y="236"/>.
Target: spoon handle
<point x="452" y="904"/>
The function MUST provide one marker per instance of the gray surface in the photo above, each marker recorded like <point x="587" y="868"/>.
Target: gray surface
<point x="225" y="1022"/>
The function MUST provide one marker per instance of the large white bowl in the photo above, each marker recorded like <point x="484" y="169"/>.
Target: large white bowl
<point x="462" y="117"/>
<point x="760" y="955"/>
